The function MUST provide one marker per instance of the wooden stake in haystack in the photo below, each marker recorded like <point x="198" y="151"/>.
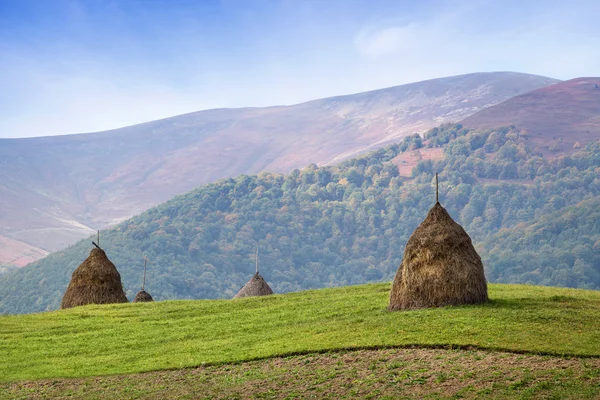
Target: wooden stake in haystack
<point x="256" y="286"/>
<point x="257" y="259"/>
<point x="437" y="196"/>
<point x="142" y="296"/>
<point x="440" y="266"/>
<point x="95" y="281"/>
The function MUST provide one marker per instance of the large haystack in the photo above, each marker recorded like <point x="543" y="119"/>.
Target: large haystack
<point x="256" y="286"/>
<point x="142" y="297"/>
<point x="440" y="267"/>
<point x="95" y="281"/>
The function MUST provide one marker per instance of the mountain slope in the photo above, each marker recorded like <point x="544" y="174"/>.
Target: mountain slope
<point x="332" y="226"/>
<point x="17" y="254"/>
<point x="54" y="190"/>
<point x="542" y="252"/>
<point x="558" y="118"/>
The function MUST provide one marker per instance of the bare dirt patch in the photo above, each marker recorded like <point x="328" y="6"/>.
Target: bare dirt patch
<point x="408" y="160"/>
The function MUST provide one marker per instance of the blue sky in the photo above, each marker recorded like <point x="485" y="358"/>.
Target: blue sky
<point x="69" y="66"/>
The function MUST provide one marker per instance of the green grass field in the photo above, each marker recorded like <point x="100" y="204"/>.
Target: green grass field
<point x="128" y="338"/>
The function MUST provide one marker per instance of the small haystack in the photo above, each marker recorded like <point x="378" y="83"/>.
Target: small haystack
<point x="256" y="286"/>
<point x="440" y="266"/>
<point x="95" y="281"/>
<point x="142" y="296"/>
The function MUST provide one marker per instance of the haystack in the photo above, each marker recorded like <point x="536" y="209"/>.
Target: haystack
<point x="440" y="267"/>
<point x="256" y="286"/>
<point x="95" y="281"/>
<point x="142" y="297"/>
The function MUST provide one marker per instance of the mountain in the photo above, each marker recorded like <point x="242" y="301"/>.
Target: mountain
<point x="558" y="119"/>
<point x="55" y="190"/>
<point x="347" y="224"/>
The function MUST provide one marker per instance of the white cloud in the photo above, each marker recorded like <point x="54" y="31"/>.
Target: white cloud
<point x="388" y="40"/>
<point x="549" y="41"/>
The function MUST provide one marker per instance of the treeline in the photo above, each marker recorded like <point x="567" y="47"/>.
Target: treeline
<point x="342" y="225"/>
<point x="562" y="248"/>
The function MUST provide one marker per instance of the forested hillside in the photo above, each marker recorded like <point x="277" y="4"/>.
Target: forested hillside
<point x="562" y="248"/>
<point x="348" y="224"/>
<point x="59" y="189"/>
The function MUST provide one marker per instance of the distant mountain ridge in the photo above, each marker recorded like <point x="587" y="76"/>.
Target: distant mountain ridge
<point x="533" y="220"/>
<point x="55" y="190"/>
<point x="557" y="117"/>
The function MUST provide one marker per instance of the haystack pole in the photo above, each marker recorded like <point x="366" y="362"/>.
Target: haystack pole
<point x="256" y="286"/>
<point x="143" y="296"/>
<point x="144" y="280"/>
<point x="440" y="266"/>
<point x="437" y="196"/>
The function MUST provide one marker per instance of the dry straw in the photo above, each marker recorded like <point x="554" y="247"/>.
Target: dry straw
<point x="440" y="266"/>
<point x="256" y="286"/>
<point x="95" y="281"/>
<point x="142" y="296"/>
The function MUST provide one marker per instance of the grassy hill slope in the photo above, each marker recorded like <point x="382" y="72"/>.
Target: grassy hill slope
<point x="127" y="338"/>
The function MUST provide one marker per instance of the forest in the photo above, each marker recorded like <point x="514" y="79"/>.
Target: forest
<point x="532" y="218"/>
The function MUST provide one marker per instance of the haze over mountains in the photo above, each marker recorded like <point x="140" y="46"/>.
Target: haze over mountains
<point x="556" y="116"/>
<point x="55" y="190"/>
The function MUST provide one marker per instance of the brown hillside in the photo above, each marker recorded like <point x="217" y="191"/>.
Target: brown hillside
<point x="556" y="117"/>
<point x="56" y="190"/>
<point x="19" y="254"/>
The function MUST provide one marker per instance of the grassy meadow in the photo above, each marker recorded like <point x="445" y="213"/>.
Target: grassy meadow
<point x="128" y="338"/>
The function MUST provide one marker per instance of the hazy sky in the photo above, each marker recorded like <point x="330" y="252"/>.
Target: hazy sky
<point x="69" y="66"/>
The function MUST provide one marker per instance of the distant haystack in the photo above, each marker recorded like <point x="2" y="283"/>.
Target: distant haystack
<point x="440" y="267"/>
<point x="256" y="286"/>
<point x="95" y="281"/>
<point x="142" y="296"/>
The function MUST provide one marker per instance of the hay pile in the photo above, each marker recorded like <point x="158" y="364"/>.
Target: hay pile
<point x="142" y="297"/>
<point x="440" y="267"/>
<point x="256" y="286"/>
<point x="95" y="281"/>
